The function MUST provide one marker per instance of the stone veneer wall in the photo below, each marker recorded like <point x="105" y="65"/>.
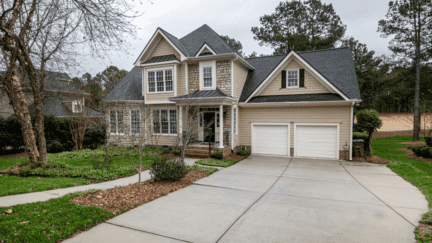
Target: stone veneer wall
<point x="126" y="138"/>
<point x="223" y="76"/>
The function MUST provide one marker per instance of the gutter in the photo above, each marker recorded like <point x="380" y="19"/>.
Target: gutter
<point x="340" y="102"/>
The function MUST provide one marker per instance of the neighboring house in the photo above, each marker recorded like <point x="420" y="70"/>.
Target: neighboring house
<point x="62" y="98"/>
<point x="300" y="104"/>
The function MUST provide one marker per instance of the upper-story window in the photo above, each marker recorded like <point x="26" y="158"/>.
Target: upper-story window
<point x="76" y="106"/>
<point x="160" y="80"/>
<point x="207" y="75"/>
<point x="292" y="79"/>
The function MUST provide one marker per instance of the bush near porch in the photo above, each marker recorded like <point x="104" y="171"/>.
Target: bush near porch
<point x="419" y="173"/>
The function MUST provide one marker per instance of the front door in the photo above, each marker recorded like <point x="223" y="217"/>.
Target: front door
<point x="209" y="127"/>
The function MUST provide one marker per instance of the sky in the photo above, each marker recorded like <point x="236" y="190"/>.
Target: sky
<point x="235" y="18"/>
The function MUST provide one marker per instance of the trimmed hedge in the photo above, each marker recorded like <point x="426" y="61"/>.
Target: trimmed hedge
<point x="422" y="151"/>
<point x="57" y="135"/>
<point x="360" y="135"/>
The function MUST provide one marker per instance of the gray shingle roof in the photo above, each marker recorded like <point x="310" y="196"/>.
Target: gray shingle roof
<point x="129" y="88"/>
<point x="202" y="94"/>
<point x="295" y="98"/>
<point x="336" y="65"/>
<point x="55" y="106"/>
<point x="161" y="59"/>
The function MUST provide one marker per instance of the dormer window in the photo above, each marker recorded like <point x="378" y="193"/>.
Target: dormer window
<point x="76" y="106"/>
<point x="207" y="75"/>
<point x="293" y="79"/>
<point x="160" y="80"/>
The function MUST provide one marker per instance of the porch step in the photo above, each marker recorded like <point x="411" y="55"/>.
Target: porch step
<point x="197" y="153"/>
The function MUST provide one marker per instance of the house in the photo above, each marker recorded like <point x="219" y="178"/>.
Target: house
<point x="62" y="98"/>
<point x="299" y="104"/>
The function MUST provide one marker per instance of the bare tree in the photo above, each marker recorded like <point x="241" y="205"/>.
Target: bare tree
<point x="42" y="34"/>
<point x="79" y="120"/>
<point x="209" y="132"/>
<point x="189" y="122"/>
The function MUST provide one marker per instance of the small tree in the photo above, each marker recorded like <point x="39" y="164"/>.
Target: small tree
<point x="369" y="121"/>
<point x="208" y="133"/>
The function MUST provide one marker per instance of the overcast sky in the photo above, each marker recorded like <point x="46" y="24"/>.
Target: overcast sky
<point x="235" y="18"/>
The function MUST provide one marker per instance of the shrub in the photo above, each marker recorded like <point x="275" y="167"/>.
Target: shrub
<point x="243" y="152"/>
<point x="163" y="169"/>
<point x="175" y="152"/>
<point x="369" y="121"/>
<point x="54" y="146"/>
<point x="422" y="151"/>
<point x="356" y="128"/>
<point x="35" y="165"/>
<point x="428" y="141"/>
<point x="166" y="150"/>
<point x="217" y="155"/>
<point x="360" y="135"/>
<point x="25" y="172"/>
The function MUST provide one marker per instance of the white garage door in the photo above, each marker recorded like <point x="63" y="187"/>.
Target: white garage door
<point x="316" y="141"/>
<point x="270" y="139"/>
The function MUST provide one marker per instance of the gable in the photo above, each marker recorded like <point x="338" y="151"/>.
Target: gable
<point x="311" y="83"/>
<point x="163" y="48"/>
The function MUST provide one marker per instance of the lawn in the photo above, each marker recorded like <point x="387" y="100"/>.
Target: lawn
<point x="215" y="162"/>
<point x="49" y="221"/>
<point x="10" y="185"/>
<point x="419" y="173"/>
<point x="69" y="169"/>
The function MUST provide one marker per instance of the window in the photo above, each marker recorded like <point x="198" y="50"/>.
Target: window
<point x="165" y="121"/>
<point x="218" y="120"/>
<point x="201" y="120"/>
<point x="116" y="122"/>
<point x="292" y="79"/>
<point x="76" y="106"/>
<point x="207" y="76"/>
<point x="135" y="121"/>
<point x="151" y="81"/>
<point x="207" y="73"/>
<point x="235" y="120"/>
<point x="160" y="81"/>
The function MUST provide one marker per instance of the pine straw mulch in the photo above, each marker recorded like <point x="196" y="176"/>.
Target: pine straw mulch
<point x="425" y="228"/>
<point x="413" y="143"/>
<point x="15" y="170"/>
<point x="119" y="200"/>
<point x="15" y="155"/>
<point x="371" y="159"/>
<point x="410" y="154"/>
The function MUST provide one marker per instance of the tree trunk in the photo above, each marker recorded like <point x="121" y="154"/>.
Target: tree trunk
<point x="39" y="127"/>
<point x="370" y="143"/>
<point x="20" y="107"/>
<point x="416" y="136"/>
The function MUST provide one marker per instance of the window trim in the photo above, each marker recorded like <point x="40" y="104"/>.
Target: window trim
<point x="76" y="103"/>
<point x="163" y="69"/>
<point x="203" y="65"/>
<point x="298" y="79"/>
<point x="116" y="122"/>
<point x="160" y="121"/>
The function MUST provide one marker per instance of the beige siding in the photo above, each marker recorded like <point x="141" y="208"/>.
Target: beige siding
<point x="164" y="48"/>
<point x="240" y="75"/>
<point x="158" y="96"/>
<point x="312" y="85"/>
<point x="181" y="81"/>
<point x="322" y="114"/>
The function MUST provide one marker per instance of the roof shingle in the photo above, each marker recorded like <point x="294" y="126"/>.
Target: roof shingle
<point x="129" y="88"/>
<point x="161" y="59"/>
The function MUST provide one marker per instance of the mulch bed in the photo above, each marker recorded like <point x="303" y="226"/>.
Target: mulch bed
<point x="15" y="155"/>
<point x="14" y="170"/>
<point x="410" y="154"/>
<point x="425" y="228"/>
<point x="371" y="159"/>
<point x="414" y="143"/>
<point x="118" y="200"/>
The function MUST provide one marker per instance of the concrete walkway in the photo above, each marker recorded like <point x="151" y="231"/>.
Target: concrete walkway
<point x="268" y="199"/>
<point x="13" y="200"/>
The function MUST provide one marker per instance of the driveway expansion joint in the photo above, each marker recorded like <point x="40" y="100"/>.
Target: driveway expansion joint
<point x="247" y="209"/>
<point x="378" y="197"/>
<point x="146" y="232"/>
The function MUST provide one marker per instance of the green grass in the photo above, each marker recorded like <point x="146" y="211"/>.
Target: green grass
<point x="11" y="185"/>
<point x="7" y="163"/>
<point x="49" y="221"/>
<point x="419" y="173"/>
<point x="215" y="162"/>
<point x="208" y="170"/>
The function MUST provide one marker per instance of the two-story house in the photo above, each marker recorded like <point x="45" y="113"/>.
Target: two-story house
<point x="299" y="104"/>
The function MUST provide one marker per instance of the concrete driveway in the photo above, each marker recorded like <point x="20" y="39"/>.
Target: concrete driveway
<point x="269" y="199"/>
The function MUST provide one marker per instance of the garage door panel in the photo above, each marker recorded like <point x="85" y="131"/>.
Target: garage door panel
<point x="270" y="139"/>
<point x="316" y="141"/>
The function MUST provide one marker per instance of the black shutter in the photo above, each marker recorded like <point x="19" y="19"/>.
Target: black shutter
<point x="301" y="77"/>
<point x="283" y="80"/>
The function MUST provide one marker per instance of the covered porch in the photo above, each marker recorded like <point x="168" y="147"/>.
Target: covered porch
<point x="212" y="112"/>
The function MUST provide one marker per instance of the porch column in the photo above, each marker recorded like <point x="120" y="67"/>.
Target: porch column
<point x="181" y="123"/>
<point x="221" y="126"/>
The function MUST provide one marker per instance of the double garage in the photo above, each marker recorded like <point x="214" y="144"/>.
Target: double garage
<point x="316" y="140"/>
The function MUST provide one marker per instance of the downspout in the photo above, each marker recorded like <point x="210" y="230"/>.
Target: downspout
<point x="351" y="130"/>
